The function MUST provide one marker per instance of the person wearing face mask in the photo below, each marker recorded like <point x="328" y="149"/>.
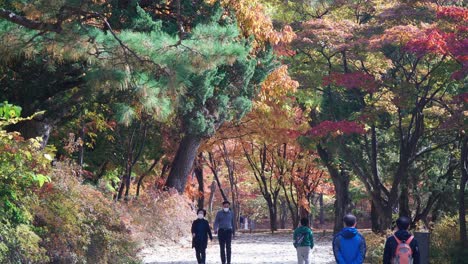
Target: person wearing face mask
<point x="224" y="227"/>
<point x="200" y="232"/>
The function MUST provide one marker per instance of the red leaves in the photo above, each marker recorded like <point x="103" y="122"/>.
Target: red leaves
<point x="453" y="13"/>
<point x="461" y="98"/>
<point x="355" y="80"/>
<point x="337" y="128"/>
<point x="433" y="41"/>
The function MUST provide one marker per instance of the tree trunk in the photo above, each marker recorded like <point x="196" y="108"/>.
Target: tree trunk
<point x="272" y="210"/>
<point x="198" y="170"/>
<point x="32" y="129"/>
<point x="322" y="210"/>
<point x="81" y="156"/>
<point x="381" y="217"/>
<point x="283" y="213"/>
<point x="404" y="209"/>
<point x="183" y="162"/>
<point x="461" y="201"/>
<point x="341" y="183"/>
<point x="342" y="198"/>
<point x="140" y="180"/>
<point x="212" y="192"/>
<point x="292" y="205"/>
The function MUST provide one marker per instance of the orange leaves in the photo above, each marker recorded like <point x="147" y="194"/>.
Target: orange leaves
<point x="278" y="85"/>
<point x="254" y="21"/>
<point x="454" y="13"/>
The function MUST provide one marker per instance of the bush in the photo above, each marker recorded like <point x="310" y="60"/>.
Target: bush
<point x="163" y="215"/>
<point x="20" y="244"/>
<point x="22" y="171"/>
<point x="79" y="225"/>
<point x="445" y="242"/>
<point x="375" y="247"/>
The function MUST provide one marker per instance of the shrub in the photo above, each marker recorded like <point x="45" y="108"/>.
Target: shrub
<point x="22" y="171"/>
<point x="375" y="247"/>
<point x="20" y="244"/>
<point x="162" y="215"/>
<point x="445" y="242"/>
<point x="79" y="224"/>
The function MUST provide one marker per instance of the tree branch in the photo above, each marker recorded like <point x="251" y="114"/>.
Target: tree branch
<point x="27" y="23"/>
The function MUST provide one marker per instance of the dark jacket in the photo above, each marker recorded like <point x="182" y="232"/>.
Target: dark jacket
<point x="349" y="246"/>
<point x="391" y="245"/>
<point x="202" y="231"/>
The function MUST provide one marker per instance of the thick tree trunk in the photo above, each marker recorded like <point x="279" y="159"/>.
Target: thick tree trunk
<point x="272" y="210"/>
<point x="381" y="217"/>
<point x="342" y="199"/>
<point x="341" y="183"/>
<point x="461" y="199"/>
<point x="183" y="162"/>
<point x="404" y="209"/>
<point x="32" y="129"/>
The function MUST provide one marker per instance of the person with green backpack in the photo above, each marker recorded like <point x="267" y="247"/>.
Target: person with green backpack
<point x="303" y="241"/>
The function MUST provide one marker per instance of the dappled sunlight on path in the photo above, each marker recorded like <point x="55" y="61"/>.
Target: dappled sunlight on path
<point x="246" y="249"/>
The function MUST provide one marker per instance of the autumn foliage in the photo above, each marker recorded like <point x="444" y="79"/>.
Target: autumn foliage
<point x="337" y="128"/>
<point x="355" y="80"/>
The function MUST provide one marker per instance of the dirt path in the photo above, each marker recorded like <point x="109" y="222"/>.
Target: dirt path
<point x="246" y="249"/>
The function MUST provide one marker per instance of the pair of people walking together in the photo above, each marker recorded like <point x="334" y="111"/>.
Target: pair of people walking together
<point x="223" y="226"/>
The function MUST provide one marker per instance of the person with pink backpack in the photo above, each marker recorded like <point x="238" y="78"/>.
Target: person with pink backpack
<point x="401" y="247"/>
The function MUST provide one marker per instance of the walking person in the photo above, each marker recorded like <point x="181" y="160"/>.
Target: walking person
<point x="303" y="241"/>
<point x="401" y="247"/>
<point x="200" y="232"/>
<point x="349" y="246"/>
<point x="225" y="228"/>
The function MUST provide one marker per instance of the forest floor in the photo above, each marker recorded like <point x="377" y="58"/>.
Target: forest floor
<point x="247" y="248"/>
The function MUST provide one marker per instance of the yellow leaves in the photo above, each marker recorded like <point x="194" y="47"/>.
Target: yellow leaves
<point x="277" y="85"/>
<point x="385" y="102"/>
<point x="254" y="21"/>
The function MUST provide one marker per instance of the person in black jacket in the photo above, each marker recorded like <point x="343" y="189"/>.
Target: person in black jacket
<point x="403" y="235"/>
<point x="200" y="232"/>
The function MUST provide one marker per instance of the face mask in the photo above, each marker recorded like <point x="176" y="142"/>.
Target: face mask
<point x="200" y="216"/>
<point x="226" y="209"/>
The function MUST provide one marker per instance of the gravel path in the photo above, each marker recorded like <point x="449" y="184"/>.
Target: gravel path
<point x="246" y="249"/>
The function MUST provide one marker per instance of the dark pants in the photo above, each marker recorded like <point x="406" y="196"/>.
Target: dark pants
<point x="225" y="237"/>
<point x="201" y="255"/>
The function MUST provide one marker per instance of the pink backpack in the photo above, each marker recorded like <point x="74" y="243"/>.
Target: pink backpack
<point x="403" y="253"/>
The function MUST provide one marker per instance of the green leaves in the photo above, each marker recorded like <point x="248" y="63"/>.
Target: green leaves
<point x="8" y="111"/>
<point x="40" y="179"/>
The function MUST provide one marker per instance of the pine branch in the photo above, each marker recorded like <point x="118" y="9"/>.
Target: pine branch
<point x="27" y="23"/>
